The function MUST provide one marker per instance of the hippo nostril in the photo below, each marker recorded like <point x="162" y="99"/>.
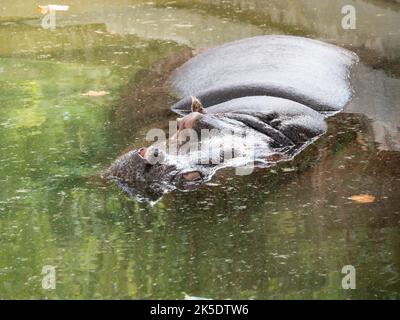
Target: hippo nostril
<point x="156" y="152"/>
<point x="192" y="176"/>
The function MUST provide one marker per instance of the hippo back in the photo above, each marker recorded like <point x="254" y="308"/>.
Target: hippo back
<point x="293" y="120"/>
<point x="303" y="70"/>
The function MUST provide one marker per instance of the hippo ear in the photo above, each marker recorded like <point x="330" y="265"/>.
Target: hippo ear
<point x="197" y="106"/>
<point x="142" y="152"/>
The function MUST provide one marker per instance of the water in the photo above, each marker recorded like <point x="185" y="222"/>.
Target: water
<point x="280" y="233"/>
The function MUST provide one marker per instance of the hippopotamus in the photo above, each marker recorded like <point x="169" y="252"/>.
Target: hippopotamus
<point x="251" y="102"/>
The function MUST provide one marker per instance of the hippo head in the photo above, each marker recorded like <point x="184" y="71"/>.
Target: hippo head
<point x="147" y="174"/>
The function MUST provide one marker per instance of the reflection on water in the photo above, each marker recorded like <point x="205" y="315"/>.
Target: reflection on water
<point x="281" y="233"/>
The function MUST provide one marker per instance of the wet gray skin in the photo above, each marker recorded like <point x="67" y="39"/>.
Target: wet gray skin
<point x="280" y="127"/>
<point x="278" y="90"/>
<point x="307" y="71"/>
<point x="145" y="180"/>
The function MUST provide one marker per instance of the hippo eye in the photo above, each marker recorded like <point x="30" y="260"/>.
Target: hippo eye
<point x="154" y="155"/>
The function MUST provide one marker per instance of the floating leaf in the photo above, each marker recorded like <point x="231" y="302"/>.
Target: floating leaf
<point x="188" y="297"/>
<point x="363" y="198"/>
<point x="92" y="93"/>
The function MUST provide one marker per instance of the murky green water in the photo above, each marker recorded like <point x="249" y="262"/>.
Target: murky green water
<point x="280" y="233"/>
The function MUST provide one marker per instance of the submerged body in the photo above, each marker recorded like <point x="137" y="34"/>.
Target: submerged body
<point x="298" y="69"/>
<point x="260" y="100"/>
